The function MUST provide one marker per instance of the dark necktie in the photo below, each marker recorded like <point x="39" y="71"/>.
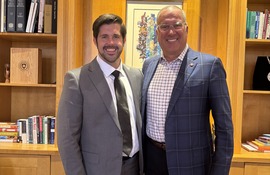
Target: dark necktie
<point x="123" y="113"/>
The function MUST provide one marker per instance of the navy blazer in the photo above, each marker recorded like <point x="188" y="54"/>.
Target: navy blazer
<point x="200" y="87"/>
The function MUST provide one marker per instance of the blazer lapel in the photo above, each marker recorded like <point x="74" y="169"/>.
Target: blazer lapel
<point x="148" y="75"/>
<point x="97" y="77"/>
<point x="187" y="67"/>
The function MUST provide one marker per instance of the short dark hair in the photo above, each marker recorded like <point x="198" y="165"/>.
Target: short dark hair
<point x="108" y="19"/>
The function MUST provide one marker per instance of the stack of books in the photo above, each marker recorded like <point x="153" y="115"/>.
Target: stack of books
<point x="260" y="144"/>
<point x="37" y="129"/>
<point x="9" y="132"/>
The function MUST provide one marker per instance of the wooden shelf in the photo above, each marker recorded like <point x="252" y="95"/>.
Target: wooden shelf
<point x="20" y="148"/>
<point x="246" y="156"/>
<point x="29" y="37"/>
<point x="256" y="92"/>
<point x="28" y="85"/>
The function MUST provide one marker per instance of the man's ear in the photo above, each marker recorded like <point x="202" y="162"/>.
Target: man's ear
<point x="186" y="29"/>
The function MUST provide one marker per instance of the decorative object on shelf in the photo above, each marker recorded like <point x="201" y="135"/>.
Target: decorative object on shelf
<point x="7" y="73"/>
<point x="26" y="65"/>
<point x="261" y="76"/>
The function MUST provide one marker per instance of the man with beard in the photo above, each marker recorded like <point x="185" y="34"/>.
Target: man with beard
<point x="91" y="137"/>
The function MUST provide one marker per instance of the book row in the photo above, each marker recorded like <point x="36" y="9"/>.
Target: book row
<point x="258" y="24"/>
<point x="31" y="16"/>
<point x="36" y="129"/>
<point x="260" y="144"/>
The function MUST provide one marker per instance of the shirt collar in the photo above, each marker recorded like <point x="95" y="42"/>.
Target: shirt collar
<point x="180" y="57"/>
<point x="108" y="69"/>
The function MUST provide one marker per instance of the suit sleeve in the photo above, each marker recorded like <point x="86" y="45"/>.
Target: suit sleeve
<point x="222" y="115"/>
<point x="69" y="125"/>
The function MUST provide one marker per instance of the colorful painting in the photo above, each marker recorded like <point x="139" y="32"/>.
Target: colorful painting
<point x="141" y="32"/>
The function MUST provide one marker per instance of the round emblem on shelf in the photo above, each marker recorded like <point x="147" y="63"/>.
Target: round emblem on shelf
<point x="24" y="65"/>
<point x="268" y="76"/>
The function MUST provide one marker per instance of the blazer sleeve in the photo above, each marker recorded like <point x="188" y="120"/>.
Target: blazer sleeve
<point x="222" y="115"/>
<point x="69" y="124"/>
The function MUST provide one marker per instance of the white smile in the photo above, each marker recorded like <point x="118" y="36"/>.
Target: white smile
<point x="172" y="40"/>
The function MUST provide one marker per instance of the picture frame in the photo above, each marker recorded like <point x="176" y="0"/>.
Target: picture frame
<point x="141" y="39"/>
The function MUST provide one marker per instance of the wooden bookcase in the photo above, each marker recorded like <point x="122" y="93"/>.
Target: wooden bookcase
<point x="215" y="26"/>
<point x="23" y="100"/>
<point x="251" y="107"/>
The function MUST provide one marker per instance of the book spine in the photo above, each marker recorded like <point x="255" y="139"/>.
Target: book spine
<point x="9" y="130"/>
<point x="54" y="16"/>
<point x="40" y="129"/>
<point x="4" y="133"/>
<point x="52" y="130"/>
<point x="9" y="140"/>
<point x="48" y="18"/>
<point x="248" y="24"/>
<point x="265" y="23"/>
<point x="257" y="23"/>
<point x="41" y="16"/>
<point x="3" y="16"/>
<point x="21" y="16"/>
<point x="30" y="130"/>
<point x="11" y="15"/>
<point x="30" y="16"/>
<point x="252" y="24"/>
<point x="34" y="17"/>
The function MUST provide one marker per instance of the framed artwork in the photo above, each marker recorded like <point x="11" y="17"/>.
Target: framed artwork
<point x="141" y="26"/>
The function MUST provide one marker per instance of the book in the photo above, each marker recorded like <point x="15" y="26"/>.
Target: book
<point x="248" y="147"/>
<point x="259" y="147"/>
<point x="10" y="140"/>
<point x="11" y="15"/>
<point x="257" y="24"/>
<point x="30" y="129"/>
<point x="265" y="23"/>
<point x="8" y="125"/>
<point x="21" y="15"/>
<point x="41" y="16"/>
<point x="46" y="129"/>
<point x="52" y="130"/>
<point x="8" y="133"/>
<point x="23" y="127"/>
<point x="264" y="139"/>
<point x="248" y="23"/>
<point x="48" y="16"/>
<point x="54" y="16"/>
<point x="40" y="127"/>
<point x="261" y="25"/>
<point x="9" y="129"/>
<point x="30" y="16"/>
<point x="34" y="17"/>
<point x="3" y="16"/>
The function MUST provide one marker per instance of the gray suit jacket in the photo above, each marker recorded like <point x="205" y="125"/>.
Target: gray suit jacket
<point x="200" y="87"/>
<point x="89" y="135"/>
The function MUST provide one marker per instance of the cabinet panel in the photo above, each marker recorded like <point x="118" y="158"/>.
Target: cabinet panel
<point x="257" y="169"/>
<point x="237" y="168"/>
<point x="24" y="165"/>
<point x="256" y="119"/>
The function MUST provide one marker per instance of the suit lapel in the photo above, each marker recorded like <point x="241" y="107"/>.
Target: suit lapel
<point x="148" y="75"/>
<point x="97" y="77"/>
<point x="187" y="67"/>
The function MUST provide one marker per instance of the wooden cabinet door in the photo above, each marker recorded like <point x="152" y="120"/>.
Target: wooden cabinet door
<point x="257" y="169"/>
<point x="24" y="165"/>
<point x="237" y="168"/>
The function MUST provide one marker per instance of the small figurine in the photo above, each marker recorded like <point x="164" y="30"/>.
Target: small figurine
<point x="7" y="73"/>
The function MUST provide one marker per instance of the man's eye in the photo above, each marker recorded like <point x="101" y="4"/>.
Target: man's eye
<point x="178" y="25"/>
<point x="164" y="26"/>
